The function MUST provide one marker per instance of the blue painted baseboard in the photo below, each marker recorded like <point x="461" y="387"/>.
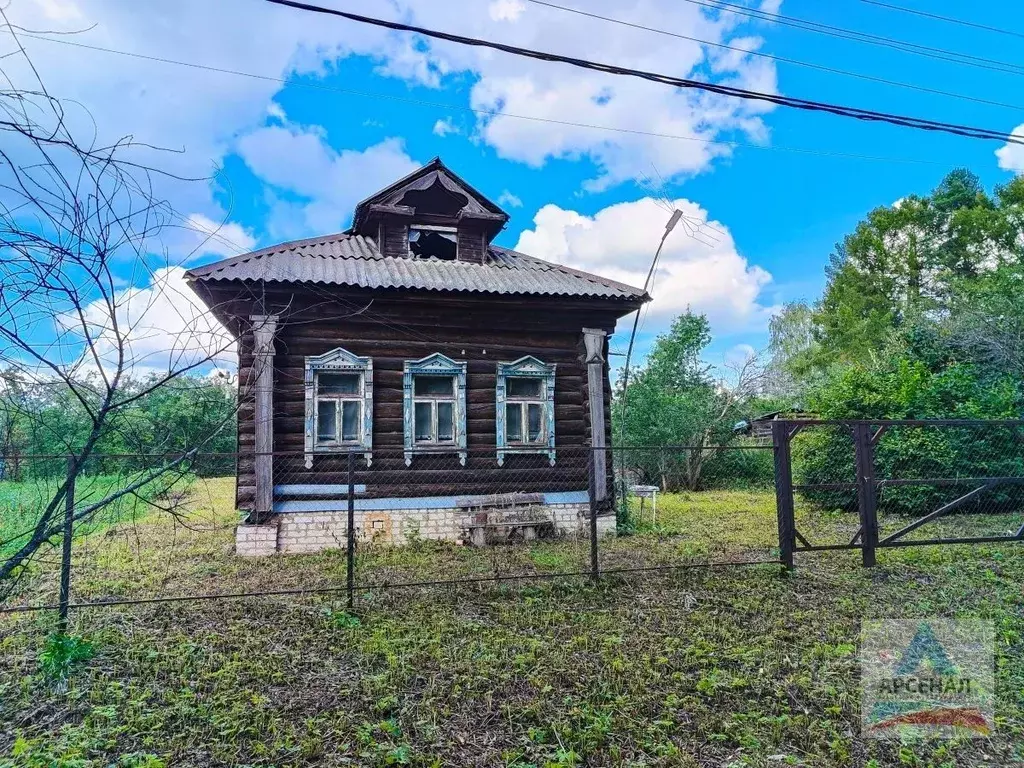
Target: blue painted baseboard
<point x="419" y="502"/>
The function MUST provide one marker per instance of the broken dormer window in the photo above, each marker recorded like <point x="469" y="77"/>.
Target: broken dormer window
<point x="431" y="242"/>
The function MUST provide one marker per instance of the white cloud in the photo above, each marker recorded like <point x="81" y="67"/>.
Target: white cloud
<point x="739" y="354"/>
<point x="506" y="198"/>
<point x="164" y="325"/>
<point x="558" y="94"/>
<point x="619" y="241"/>
<point x="205" y="112"/>
<point x="219" y="238"/>
<point x="298" y="161"/>
<point x="1011" y="156"/>
<point x="198" y="114"/>
<point x="506" y="10"/>
<point x="445" y="127"/>
<point x="276" y="112"/>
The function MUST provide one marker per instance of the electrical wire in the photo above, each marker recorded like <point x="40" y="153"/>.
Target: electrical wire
<point x="484" y="112"/>
<point x="948" y="19"/>
<point x="773" y="57"/>
<point x="864" y="37"/>
<point x="811" y="105"/>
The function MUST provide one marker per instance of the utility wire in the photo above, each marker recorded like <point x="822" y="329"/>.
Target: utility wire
<point x="478" y="111"/>
<point x="864" y="37"/>
<point x="773" y="57"/>
<point x="949" y="19"/>
<point x="678" y="82"/>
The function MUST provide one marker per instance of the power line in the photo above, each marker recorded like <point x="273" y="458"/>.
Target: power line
<point x="864" y="37"/>
<point x="678" y="82"/>
<point x="949" y="19"/>
<point x="773" y="57"/>
<point x="478" y="111"/>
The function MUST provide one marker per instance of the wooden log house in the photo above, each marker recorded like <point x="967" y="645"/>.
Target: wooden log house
<point x="470" y="381"/>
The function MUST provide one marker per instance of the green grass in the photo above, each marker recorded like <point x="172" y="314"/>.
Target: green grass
<point x="725" y="666"/>
<point x="22" y="502"/>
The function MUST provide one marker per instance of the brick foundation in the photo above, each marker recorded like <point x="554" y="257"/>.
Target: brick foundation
<point x="256" y="540"/>
<point x="298" y="532"/>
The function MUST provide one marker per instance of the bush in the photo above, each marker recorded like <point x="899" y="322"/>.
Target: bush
<point x="740" y="468"/>
<point x="903" y="389"/>
<point x="61" y="653"/>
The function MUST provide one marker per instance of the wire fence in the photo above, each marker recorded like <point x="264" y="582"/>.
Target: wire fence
<point x="140" y="529"/>
<point x="159" y="528"/>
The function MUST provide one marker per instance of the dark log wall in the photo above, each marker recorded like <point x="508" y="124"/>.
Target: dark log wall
<point x="472" y="243"/>
<point x="394" y="237"/>
<point x="393" y="329"/>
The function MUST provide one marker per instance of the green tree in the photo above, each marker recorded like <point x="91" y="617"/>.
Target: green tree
<point x="913" y="263"/>
<point x="674" y="401"/>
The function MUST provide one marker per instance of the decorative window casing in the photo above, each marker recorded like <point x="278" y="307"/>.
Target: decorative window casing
<point x="434" y="406"/>
<point x="525" y="415"/>
<point x="339" y="404"/>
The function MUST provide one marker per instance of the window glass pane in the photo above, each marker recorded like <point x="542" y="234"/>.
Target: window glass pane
<point x="445" y="421"/>
<point x="522" y="387"/>
<point x="350" y="427"/>
<point x="513" y="423"/>
<point x="338" y="384"/>
<point x="326" y="420"/>
<point x="533" y="422"/>
<point x="423" y="428"/>
<point x="433" y="386"/>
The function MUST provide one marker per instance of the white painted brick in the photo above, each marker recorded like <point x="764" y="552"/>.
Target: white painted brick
<point x="315" y="531"/>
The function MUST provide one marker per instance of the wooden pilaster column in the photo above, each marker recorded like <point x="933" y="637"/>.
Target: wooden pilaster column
<point x="263" y="329"/>
<point x="593" y="339"/>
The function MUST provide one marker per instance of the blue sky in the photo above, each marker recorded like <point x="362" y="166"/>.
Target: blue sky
<point x="293" y="157"/>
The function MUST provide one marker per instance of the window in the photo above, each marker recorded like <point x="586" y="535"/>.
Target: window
<point x="339" y="404"/>
<point x="524" y="411"/>
<point x="526" y="408"/>
<point x="339" y="408"/>
<point x="427" y="242"/>
<point x="433" y="402"/>
<point x="434" y="405"/>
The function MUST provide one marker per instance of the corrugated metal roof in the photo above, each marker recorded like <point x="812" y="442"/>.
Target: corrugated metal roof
<point x="354" y="260"/>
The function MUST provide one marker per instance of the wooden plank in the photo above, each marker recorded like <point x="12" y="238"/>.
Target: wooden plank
<point x="597" y="354"/>
<point x="499" y="499"/>
<point x="263" y="332"/>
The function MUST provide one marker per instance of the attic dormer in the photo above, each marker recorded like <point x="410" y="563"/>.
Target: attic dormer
<point x="430" y="214"/>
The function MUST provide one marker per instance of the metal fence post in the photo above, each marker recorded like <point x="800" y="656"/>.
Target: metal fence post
<point x="594" y="567"/>
<point x="867" y="499"/>
<point x="65" y="555"/>
<point x="784" y="492"/>
<point x="350" y="548"/>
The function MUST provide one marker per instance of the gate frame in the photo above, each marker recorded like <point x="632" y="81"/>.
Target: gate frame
<point x="865" y="434"/>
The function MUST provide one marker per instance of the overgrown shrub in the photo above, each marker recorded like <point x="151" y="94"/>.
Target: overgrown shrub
<point x="61" y="653"/>
<point x="903" y="389"/>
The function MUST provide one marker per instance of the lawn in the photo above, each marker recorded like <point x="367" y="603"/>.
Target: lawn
<point x="20" y="502"/>
<point x="731" y="665"/>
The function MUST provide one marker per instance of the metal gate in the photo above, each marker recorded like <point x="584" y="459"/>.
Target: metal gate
<point x="976" y="458"/>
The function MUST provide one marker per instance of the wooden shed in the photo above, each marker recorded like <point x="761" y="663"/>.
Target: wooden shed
<point x="463" y="375"/>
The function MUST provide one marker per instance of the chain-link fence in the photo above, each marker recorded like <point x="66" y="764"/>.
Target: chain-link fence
<point x="126" y="529"/>
<point x="158" y="528"/>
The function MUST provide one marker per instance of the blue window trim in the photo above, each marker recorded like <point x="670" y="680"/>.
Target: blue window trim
<point x="528" y="367"/>
<point x="336" y="360"/>
<point x="434" y="365"/>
